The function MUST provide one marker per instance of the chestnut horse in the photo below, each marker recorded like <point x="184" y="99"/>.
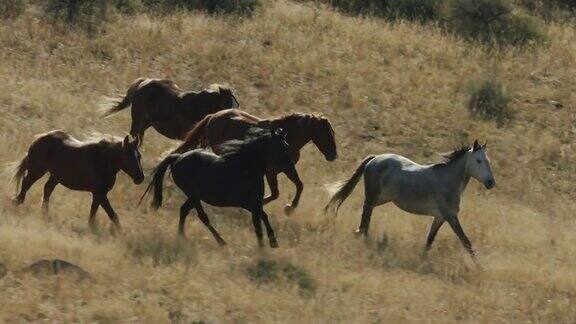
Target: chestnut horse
<point x="84" y="166"/>
<point x="172" y="112"/>
<point x="225" y="125"/>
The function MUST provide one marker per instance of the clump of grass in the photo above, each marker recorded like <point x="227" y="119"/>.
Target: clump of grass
<point x="240" y="7"/>
<point x="161" y="251"/>
<point x="492" y="22"/>
<point x="488" y="100"/>
<point x="413" y="10"/>
<point x="270" y="271"/>
<point x="10" y="9"/>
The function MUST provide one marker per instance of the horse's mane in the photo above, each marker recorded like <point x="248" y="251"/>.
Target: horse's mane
<point x="235" y="148"/>
<point x="219" y="88"/>
<point x="448" y="158"/>
<point x="98" y="137"/>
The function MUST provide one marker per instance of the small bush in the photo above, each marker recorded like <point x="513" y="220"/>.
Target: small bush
<point x="10" y="9"/>
<point x="413" y="10"/>
<point x="268" y="271"/>
<point x="492" y="22"/>
<point x="240" y="7"/>
<point x="160" y="250"/>
<point x="487" y="100"/>
<point x="88" y="14"/>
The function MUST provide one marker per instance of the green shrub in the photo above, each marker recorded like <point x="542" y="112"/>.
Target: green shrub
<point x="488" y="100"/>
<point x="10" y="9"/>
<point x="414" y="10"/>
<point x="240" y="7"/>
<point x="492" y="22"/>
<point x="268" y="271"/>
<point x="87" y="14"/>
<point x="160" y="250"/>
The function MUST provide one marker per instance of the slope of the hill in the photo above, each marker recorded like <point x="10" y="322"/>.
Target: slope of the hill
<point x="386" y="88"/>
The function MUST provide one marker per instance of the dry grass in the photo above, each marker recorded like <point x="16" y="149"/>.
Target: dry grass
<point x="386" y="88"/>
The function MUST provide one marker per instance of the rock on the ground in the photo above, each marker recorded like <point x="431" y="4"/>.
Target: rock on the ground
<point x="53" y="267"/>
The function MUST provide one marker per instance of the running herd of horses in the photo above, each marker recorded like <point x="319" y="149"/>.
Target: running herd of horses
<point x="225" y="155"/>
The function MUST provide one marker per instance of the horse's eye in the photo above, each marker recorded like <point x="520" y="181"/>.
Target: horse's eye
<point x="479" y="161"/>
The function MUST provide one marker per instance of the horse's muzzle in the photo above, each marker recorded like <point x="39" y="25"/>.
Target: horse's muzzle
<point x="331" y="157"/>
<point x="489" y="184"/>
<point x="138" y="180"/>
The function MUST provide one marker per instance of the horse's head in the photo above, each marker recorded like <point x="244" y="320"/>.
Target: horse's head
<point x="227" y="98"/>
<point x="278" y="151"/>
<point x="323" y="138"/>
<point x="478" y="165"/>
<point x="131" y="159"/>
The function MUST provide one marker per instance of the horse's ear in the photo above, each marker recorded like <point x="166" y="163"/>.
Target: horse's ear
<point x="126" y="140"/>
<point x="476" y="146"/>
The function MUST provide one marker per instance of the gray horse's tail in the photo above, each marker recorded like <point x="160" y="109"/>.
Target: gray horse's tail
<point x="344" y="188"/>
<point x="114" y="105"/>
<point x="158" y="179"/>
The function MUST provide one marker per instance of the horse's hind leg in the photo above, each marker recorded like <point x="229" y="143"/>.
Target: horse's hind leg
<point x="93" y="210"/>
<point x="184" y="210"/>
<point x="204" y="218"/>
<point x="436" y="224"/>
<point x="256" y="221"/>
<point x="366" y="216"/>
<point x="105" y="203"/>
<point x="269" y="230"/>
<point x="48" y="189"/>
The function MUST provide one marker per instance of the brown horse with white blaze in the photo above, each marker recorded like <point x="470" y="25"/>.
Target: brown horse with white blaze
<point x="233" y="124"/>
<point x="161" y="104"/>
<point x="89" y="166"/>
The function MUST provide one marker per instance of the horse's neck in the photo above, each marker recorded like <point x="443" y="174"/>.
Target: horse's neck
<point x="297" y="132"/>
<point x="110" y="157"/>
<point x="455" y="176"/>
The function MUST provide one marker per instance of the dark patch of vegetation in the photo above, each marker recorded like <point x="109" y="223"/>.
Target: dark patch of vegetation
<point x="413" y="10"/>
<point x="269" y="271"/>
<point x="10" y="9"/>
<point x="488" y="100"/>
<point x="492" y="22"/>
<point x="87" y="14"/>
<point x="160" y="250"/>
<point x="240" y="7"/>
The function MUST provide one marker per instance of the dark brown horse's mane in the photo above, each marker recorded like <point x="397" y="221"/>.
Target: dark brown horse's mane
<point x="453" y="156"/>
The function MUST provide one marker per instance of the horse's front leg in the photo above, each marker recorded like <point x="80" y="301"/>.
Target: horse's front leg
<point x="452" y="219"/>
<point x="105" y="203"/>
<point x="293" y="176"/>
<point x="272" y="178"/>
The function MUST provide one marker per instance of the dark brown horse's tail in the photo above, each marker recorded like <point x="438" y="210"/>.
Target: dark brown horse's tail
<point x="344" y="188"/>
<point x="194" y="137"/>
<point x="114" y="105"/>
<point x="158" y="179"/>
<point x="19" y="171"/>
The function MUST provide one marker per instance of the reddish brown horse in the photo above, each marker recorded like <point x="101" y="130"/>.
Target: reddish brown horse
<point x="233" y="124"/>
<point x="172" y="112"/>
<point x="85" y="166"/>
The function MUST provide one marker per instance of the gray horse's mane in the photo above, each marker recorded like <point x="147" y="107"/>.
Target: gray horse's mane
<point x="448" y="158"/>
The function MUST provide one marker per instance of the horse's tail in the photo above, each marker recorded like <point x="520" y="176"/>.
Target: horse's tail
<point x="344" y="188"/>
<point x="114" y="105"/>
<point x="157" y="179"/>
<point x="19" y="170"/>
<point x="194" y="137"/>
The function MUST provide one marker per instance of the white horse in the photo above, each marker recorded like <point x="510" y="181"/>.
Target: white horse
<point x="432" y="190"/>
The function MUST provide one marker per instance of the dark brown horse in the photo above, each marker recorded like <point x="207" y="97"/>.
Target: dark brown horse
<point x="85" y="166"/>
<point x="225" y="125"/>
<point x="172" y="112"/>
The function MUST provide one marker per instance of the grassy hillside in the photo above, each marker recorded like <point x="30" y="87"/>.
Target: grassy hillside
<point x="399" y="87"/>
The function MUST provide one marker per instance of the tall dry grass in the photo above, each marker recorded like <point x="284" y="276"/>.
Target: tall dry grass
<point x="386" y="88"/>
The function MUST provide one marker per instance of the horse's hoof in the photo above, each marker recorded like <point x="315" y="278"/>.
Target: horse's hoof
<point x="17" y="202"/>
<point x="222" y="243"/>
<point x="274" y="244"/>
<point x="358" y="232"/>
